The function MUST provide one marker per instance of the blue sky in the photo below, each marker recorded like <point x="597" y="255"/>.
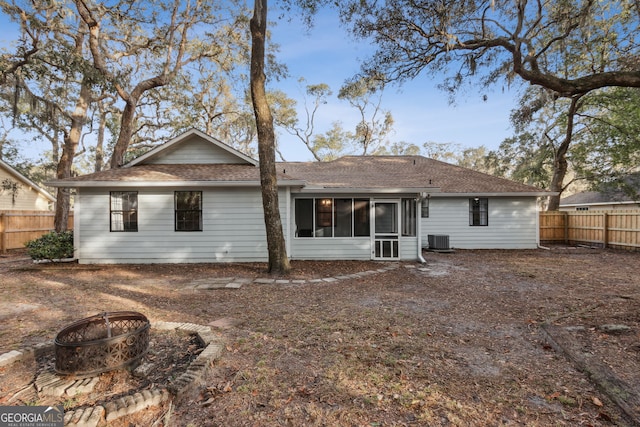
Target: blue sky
<point x="328" y="54"/>
<point x="421" y="111"/>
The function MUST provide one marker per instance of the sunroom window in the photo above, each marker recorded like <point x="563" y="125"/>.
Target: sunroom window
<point x="361" y="221"/>
<point x="409" y="217"/>
<point x="332" y="217"/>
<point x="324" y="218"/>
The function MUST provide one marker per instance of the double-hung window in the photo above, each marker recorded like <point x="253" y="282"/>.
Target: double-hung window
<point x="188" y="210"/>
<point x="479" y="211"/>
<point x="123" y="210"/>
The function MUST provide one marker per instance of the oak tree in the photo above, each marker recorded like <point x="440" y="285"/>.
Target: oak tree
<point x="51" y="84"/>
<point x="276" y="245"/>
<point x="142" y="46"/>
<point x="568" y="47"/>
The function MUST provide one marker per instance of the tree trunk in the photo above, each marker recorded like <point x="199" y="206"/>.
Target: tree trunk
<point x="99" y="161"/>
<point x="63" y="206"/>
<point x="126" y="130"/>
<point x="278" y="260"/>
<point x="129" y="115"/>
<point x="55" y="147"/>
<point x="71" y="140"/>
<point x="560" y="164"/>
<point x="560" y="167"/>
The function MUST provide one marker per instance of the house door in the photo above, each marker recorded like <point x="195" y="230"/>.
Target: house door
<point x="386" y="242"/>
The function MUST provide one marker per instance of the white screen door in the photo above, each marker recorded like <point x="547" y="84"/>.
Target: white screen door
<point x="386" y="237"/>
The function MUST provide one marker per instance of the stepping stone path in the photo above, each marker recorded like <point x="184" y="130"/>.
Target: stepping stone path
<point x="213" y="283"/>
<point x="236" y="283"/>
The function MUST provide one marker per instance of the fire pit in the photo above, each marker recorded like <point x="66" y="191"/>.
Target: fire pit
<point x="101" y="343"/>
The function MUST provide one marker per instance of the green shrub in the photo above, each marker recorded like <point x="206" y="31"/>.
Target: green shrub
<point x="51" y="246"/>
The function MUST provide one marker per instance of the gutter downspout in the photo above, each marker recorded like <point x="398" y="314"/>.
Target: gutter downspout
<point x="419" y="231"/>
<point x="288" y="222"/>
<point x="77" y="207"/>
<point x="538" y="226"/>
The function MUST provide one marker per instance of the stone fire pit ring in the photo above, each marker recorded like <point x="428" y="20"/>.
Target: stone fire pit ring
<point x="101" y="343"/>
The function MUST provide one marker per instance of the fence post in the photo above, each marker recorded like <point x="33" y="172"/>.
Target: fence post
<point x="605" y="230"/>
<point x="3" y="233"/>
<point x="565" y="220"/>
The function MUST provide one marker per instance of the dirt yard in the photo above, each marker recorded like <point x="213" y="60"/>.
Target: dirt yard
<point x="461" y="340"/>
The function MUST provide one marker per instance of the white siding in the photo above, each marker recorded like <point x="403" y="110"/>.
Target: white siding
<point x="195" y="150"/>
<point x="512" y="223"/>
<point x="331" y="248"/>
<point x="356" y="248"/>
<point x="233" y="229"/>
<point x="408" y="248"/>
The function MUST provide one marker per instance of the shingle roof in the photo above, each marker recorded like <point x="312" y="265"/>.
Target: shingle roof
<point x="400" y="172"/>
<point x="596" y="197"/>
<point x="607" y="194"/>
<point x="349" y="172"/>
<point x="174" y="173"/>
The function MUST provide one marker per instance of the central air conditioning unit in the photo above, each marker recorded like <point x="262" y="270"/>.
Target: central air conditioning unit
<point x="438" y="241"/>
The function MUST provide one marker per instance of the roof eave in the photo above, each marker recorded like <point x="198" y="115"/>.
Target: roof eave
<point x="155" y="184"/>
<point x="571" y="205"/>
<point x="369" y="190"/>
<point x="501" y="194"/>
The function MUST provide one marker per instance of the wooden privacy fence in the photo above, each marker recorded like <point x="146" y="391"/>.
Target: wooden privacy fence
<point x="18" y="227"/>
<point x="613" y="228"/>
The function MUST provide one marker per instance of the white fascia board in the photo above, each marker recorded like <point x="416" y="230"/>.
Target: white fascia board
<point x="506" y="194"/>
<point x="572" y="205"/>
<point x="342" y="190"/>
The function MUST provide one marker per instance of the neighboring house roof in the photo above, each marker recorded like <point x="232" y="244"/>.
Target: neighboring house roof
<point x="26" y="181"/>
<point x="379" y="172"/>
<point x="597" y="198"/>
<point x="607" y="196"/>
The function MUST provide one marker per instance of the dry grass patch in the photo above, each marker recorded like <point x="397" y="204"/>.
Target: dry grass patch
<point x="454" y="342"/>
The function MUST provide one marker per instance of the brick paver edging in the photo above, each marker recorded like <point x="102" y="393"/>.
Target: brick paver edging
<point x="130" y="404"/>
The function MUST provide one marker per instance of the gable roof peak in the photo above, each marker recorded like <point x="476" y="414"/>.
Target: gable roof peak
<point x="185" y="136"/>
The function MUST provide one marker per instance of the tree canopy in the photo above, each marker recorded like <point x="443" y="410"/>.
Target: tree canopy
<point x="546" y="43"/>
<point x="570" y="48"/>
<point x="605" y="143"/>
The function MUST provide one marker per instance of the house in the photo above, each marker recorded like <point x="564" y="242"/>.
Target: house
<point x="607" y="199"/>
<point x="17" y="192"/>
<point x="195" y="199"/>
